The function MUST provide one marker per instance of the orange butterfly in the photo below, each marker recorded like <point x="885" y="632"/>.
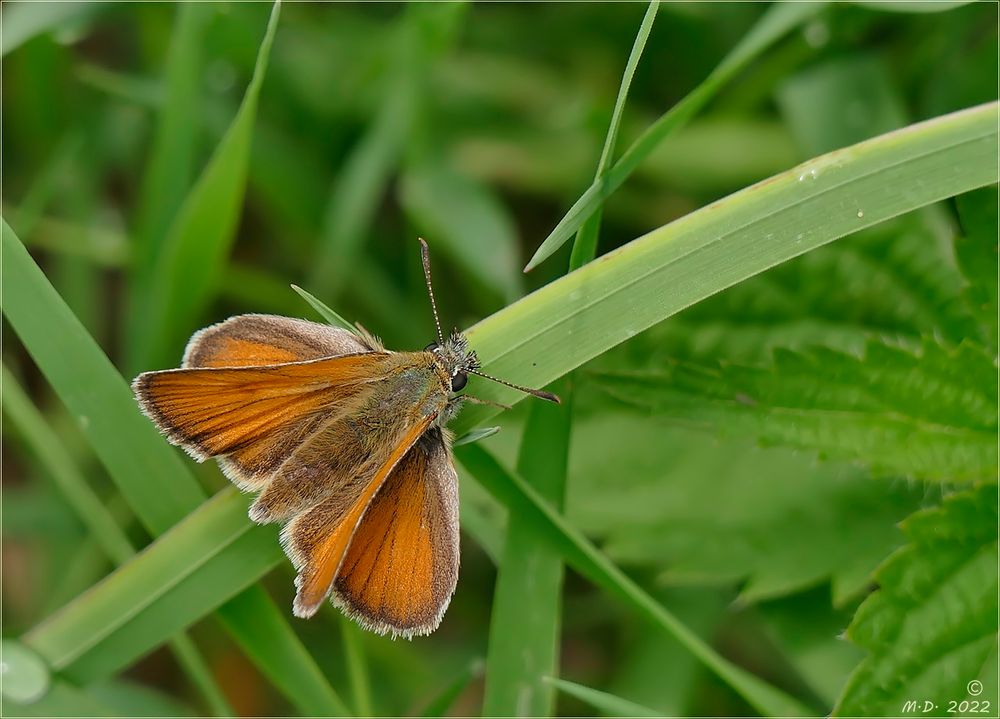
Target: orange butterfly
<point x="345" y="443"/>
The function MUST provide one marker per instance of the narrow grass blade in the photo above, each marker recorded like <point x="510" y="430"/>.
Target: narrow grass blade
<point x="278" y="653"/>
<point x="95" y="394"/>
<point x="585" y="244"/>
<point x="439" y="705"/>
<point x="526" y="618"/>
<point x="172" y="583"/>
<point x="195" y="249"/>
<point x="23" y="21"/>
<point x="142" y="465"/>
<point x="577" y="317"/>
<point x="608" y="704"/>
<point x="171" y="161"/>
<point x="916" y="6"/>
<point x="523" y="501"/>
<point x="44" y="444"/>
<point x="468" y="222"/>
<point x="475" y="435"/>
<point x="366" y="172"/>
<point x="91" y="511"/>
<point x="325" y="312"/>
<point x="778" y="21"/>
<point x="357" y="668"/>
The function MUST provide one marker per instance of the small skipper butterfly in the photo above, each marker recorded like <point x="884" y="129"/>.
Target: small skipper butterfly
<point x="345" y="444"/>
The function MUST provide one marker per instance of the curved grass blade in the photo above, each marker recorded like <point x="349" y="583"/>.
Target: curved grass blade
<point x="526" y="619"/>
<point x="523" y="501"/>
<point x="585" y="244"/>
<point x="190" y="263"/>
<point x="780" y="19"/>
<point x="608" y="704"/>
<point x="142" y="464"/>
<point x="577" y="317"/>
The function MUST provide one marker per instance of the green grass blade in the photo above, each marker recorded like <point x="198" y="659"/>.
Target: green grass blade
<point x="95" y="394"/>
<point x="45" y="445"/>
<point x="439" y="705"/>
<point x="525" y="622"/>
<point x="110" y="538"/>
<point x="357" y="668"/>
<point x="195" y="249"/>
<point x="142" y="465"/>
<point x="23" y="21"/>
<point x="325" y="312"/>
<point x="779" y="20"/>
<point x="154" y="595"/>
<point x="278" y="653"/>
<point x="523" y="501"/>
<point x="200" y="674"/>
<point x="467" y="222"/>
<point x="585" y="244"/>
<point x="577" y="317"/>
<point x="172" y="156"/>
<point x="608" y="704"/>
<point x="422" y="34"/>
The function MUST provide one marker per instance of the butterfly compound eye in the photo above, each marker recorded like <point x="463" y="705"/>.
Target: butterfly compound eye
<point x="458" y="381"/>
<point x="431" y="347"/>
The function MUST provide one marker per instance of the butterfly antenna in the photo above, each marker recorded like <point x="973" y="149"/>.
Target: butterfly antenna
<point x="541" y="394"/>
<point x="425" y="256"/>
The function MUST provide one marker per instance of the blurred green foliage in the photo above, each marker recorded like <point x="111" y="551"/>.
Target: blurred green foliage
<point x="128" y="130"/>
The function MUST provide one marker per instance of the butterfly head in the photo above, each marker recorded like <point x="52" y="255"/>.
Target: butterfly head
<point x="456" y="359"/>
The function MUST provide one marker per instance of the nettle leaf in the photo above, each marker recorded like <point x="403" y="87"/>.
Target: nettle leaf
<point x="702" y="511"/>
<point x="932" y="626"/>
<point x="927" y="415"/>
<point x="977" y="256"/>
<point x="897" y="279"/>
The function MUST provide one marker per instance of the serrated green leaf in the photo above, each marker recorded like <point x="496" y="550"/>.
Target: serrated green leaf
<point x="977" y="256"/>
<point x="932" y="415"/>
<point x="519" y="497"/>
<point x="661" y="513"/>
<point x="933" y="622"/>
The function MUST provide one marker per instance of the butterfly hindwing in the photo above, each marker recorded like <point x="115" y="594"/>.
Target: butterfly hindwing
<point x="401" y="567"/>
<point x="316" y="540"/>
